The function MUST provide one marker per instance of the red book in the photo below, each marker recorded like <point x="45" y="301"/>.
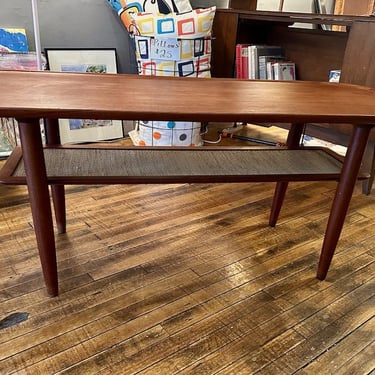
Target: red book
<point x="242" y="64"/>
<point x="245" y="60"/>
<point x="238" y="71"/>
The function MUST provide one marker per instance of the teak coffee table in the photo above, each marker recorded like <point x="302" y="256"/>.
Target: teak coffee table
<point x="31" y="96"/>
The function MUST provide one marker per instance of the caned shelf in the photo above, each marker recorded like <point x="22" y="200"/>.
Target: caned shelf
<point x="97" y="165"/>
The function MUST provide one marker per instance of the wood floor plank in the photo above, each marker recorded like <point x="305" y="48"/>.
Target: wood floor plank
<point x="260" y="334"/>
<point x="335" y="310"/>
<point x="323" y="340"/>
<point x="264" y="355"/>
<point x="88" y="309"/>
<point x="111" y="360"/>
<point x="344" y="350"/>
<point x="252" y="319"/>
<point x="362" y="363"/>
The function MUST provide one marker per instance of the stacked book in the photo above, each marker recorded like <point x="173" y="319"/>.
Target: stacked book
<point x="256" y="61"/>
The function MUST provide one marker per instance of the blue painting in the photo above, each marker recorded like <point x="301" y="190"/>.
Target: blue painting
<point x="13" y="40"/>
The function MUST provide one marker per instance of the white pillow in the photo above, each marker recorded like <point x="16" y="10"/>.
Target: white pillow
<point x="174" y="44"/>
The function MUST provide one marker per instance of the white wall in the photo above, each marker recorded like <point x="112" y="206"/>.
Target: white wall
<point x="304" y="6"/>
<point x="72" y="24"/>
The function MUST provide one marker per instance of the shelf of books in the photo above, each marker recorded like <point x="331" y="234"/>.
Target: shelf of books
<point x="268" y="62"/>
<point x="256" y="61"/>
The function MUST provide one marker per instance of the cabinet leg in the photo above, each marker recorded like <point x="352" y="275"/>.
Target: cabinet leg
<point x="293" y="141"/>
<point x="37" y="184"/>
<point x="343" y="196"/>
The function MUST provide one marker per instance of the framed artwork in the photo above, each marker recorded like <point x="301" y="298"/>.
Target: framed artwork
<point x="85" y="61"/>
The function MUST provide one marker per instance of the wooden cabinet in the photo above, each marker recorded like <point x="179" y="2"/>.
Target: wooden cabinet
<point x="315" y="52"/>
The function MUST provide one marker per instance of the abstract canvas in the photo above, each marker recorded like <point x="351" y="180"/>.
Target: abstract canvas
<point x="13" y="40"/>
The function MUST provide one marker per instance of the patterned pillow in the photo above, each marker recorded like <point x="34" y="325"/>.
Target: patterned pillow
<point x="127" y="8"/>
<point x="174" y="44"/>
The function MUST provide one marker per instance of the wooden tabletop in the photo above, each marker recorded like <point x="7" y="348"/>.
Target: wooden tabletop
<point x="133" y="97"/>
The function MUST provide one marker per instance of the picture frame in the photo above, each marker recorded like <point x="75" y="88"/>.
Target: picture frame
<point x="9" y="135"/>
<point x="20" y="61"/>
<point x="86" y="60"/>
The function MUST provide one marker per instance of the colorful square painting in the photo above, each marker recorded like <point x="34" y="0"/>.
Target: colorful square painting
<point x="13" y="40"/>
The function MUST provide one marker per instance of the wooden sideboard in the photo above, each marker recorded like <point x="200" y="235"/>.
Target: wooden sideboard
<point x="314" y="50"/>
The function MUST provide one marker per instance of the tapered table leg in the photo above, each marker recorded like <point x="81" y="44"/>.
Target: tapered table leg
<point x="292" y="142"/>
<point x="277" y="202"/>
<point x="343" y="196"/>
<point x="37" y="184"/>
<point x="58" y="198"/>
<point x="367" y="184"/>
<point x="58" y="191"/>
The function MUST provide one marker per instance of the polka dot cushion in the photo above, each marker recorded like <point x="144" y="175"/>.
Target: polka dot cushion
<point x="169" y="133"/>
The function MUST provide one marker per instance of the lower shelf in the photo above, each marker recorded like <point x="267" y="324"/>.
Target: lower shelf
<point x="97" y="165"/>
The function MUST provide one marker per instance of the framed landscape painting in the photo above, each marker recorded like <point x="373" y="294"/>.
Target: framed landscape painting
<point x="85" y="61"/>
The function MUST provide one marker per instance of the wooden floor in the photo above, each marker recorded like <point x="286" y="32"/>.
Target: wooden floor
<point x="189" y="279"/>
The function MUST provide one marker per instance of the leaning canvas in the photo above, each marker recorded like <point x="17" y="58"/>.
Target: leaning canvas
<point x="13" y="40"/>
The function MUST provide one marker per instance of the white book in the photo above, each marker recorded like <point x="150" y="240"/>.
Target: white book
<point x="270" y="74"/>
<point x="252" y="62"/>
<point x="284" y="71"/>
<point x="263" y="61"/>
<point x="255" y="53"/>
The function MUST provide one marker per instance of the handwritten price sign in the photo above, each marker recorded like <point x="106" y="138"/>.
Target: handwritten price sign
<point x="165" y="49"/>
